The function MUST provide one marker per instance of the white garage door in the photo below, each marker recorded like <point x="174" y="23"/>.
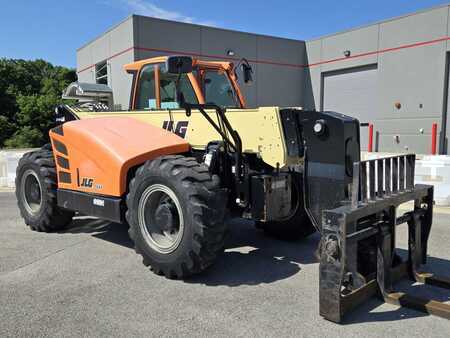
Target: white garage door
<point x="352" y="92"/>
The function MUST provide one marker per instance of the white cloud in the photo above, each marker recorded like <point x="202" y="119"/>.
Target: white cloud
<point x="147" y="8"/>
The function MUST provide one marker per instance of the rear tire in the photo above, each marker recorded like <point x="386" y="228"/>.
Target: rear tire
<point x="176" y="216"/>
<point x="36" y="185"/>
<point x="297" y="226"/>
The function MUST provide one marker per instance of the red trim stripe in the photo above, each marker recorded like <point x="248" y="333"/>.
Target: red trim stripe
<point x="381" y="51"/>
<point x="221" y="57"/>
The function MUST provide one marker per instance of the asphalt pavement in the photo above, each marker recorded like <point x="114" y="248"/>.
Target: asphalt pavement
<point x="88" y="281"/>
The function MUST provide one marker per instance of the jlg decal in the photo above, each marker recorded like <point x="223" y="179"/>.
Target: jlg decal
<point x="180" y="128"/>
<point x="87" y="182"/>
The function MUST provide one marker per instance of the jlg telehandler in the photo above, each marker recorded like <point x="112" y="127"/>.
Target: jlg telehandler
<point x="188" y="153"/>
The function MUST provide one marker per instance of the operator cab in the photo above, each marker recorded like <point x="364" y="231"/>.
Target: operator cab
<point x="206" y="82"/>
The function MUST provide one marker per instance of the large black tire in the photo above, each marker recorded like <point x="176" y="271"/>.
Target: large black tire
<point x="183" y="189"/>
<point x="36" y="177"/>
<point x="297" y="226"/>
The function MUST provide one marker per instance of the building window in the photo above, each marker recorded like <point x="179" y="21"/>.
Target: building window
<point x="101" y="73"/>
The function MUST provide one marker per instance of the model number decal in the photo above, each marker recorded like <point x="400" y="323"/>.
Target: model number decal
<point x="180" y="128"/>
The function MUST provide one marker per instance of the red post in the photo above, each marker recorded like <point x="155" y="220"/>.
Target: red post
<point x="370" y="146"/>
<point x="433" y="138"/>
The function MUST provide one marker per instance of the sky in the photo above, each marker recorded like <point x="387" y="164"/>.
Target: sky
<point x="54" y="29"/>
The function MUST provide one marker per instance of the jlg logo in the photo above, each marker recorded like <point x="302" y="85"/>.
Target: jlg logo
<point x="87" y="182"/>
<point x="180" y="128"/>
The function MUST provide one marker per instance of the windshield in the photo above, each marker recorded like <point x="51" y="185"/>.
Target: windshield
<point x="217" y="88"/>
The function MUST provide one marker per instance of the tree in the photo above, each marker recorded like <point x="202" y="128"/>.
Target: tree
<point x="29" y="92"/>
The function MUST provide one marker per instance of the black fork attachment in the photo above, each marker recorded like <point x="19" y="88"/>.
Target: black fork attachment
<point x="372" y="215"/>
<point x="354" y="205"/>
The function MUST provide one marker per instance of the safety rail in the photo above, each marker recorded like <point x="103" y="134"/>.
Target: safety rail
<point x="381" y="177"/>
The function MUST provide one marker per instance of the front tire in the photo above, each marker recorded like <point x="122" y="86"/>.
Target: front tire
<point x="176" y="216"/>
<point x="36" y="192"/>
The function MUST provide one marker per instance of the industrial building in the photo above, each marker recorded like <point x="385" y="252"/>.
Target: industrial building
<point x="392" y="74"/>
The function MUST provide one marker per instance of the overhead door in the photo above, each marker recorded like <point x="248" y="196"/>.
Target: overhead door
<point x="352" y="92"/>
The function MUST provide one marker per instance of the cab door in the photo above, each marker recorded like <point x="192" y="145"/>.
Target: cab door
<point x="154" y="99"/>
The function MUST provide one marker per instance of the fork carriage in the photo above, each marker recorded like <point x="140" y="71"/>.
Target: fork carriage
<point x="366" y="226"/>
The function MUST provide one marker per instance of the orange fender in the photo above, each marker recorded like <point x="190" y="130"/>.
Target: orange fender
<point x="95" y="155"/>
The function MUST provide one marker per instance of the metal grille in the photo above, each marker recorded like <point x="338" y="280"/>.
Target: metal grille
<point x="381" y="177"/>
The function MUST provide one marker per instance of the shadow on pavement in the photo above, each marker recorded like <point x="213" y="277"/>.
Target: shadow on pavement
<point x="252" y="258"/>
<point x="112" y="232"/>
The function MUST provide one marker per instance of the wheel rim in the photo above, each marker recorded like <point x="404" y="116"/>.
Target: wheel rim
<point x="31" y="192"/>
<point x="160" y="218"/>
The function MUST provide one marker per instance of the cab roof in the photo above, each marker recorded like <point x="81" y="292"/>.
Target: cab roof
<point x="136" y="66"/>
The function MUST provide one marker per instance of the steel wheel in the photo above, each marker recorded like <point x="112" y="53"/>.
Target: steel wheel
<point x="160" y="218"/>
<point x="31" y="192"/>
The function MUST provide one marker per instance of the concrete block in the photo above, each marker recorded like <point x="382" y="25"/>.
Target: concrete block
<point x="9" y="160"/>
<point x="433" y="170"/>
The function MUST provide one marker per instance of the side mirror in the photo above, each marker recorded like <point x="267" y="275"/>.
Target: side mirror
<point x="247" y="70"/>
<point x="179" y="64"/>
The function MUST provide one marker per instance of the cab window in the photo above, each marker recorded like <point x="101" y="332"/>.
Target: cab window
<point x="167" y="85"/>
<point x="217" y="89"/>
<point x="146" y="98"/>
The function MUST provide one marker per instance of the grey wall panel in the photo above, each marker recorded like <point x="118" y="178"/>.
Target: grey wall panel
<point x="145" y="54"/>
<point x="411" y="135"/>
<point x="406" y="126"/>
<point x="119" y="80"/>
<point x="84" y="59"/>
<point x="216" y="42"/>
<point x="87" y="75"/>
<point x="352" y="92"/>
<point x="413" y="77"/>
<point x="279" y="50"/>
<point x="280" y="72"/>
<point x="419" y="144"/>
<point x="357" y="42"/>
<point x="167" y="35"/>
<point x="420" y="27"/>
<point x="448" y="27"/>
<point x="101" y="49"/>
<point x="279" y="86"/>
<point x="410" y="78"/>
<point x="84" y="63"/>
<point x="312" y="74"/>
<point x="121" y="37"/>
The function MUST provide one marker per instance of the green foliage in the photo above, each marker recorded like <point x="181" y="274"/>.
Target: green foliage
<point x="29" y="92"/>
<point x="26" y="137"/>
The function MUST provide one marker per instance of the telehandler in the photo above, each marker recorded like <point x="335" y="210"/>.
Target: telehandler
<point x="187" y="154"/>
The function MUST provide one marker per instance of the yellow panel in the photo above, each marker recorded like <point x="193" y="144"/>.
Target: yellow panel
<point x="260" y="129"/>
